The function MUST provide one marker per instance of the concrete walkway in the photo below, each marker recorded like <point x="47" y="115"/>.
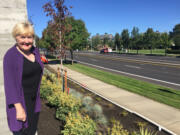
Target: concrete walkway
<point x="4" y="130"/>
<point x="166" y="117"/>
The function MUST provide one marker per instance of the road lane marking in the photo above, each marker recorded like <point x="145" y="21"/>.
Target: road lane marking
<point x="132" y="66"/>
<point x="176" y="84"/>
<point x="93" y="59"/>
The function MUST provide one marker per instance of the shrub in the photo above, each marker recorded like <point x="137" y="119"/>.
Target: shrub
<point x="53" y="99"/>
<point x="45" y="89"/>
<point x="97" y="114"/>
<point x="76" y="124"/>
<point x="67" y="103"/>
<point x="76" y="94"/>
<point x="93" y="110"/>
<point x="86" y="101"/>
<point x="173" y="51"/>
<point x="64" y="103"/>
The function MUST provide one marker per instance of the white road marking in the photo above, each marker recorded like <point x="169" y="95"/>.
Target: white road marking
<point x="93" y="60"/>
<point x="130" y="74"/>
<point x="132" y="66"/>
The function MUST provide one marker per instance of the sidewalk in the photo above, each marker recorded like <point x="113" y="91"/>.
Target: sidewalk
<point x="166" y="117"/>
<point x="4" y="130"/>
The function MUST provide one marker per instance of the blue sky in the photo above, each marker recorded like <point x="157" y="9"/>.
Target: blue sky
<point x="113" y="16"/>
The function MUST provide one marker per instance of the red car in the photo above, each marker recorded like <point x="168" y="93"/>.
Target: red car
<point x="105" y="50"/>
<point x="44" y="59"/>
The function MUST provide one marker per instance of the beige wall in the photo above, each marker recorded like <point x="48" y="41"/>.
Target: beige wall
<point x="11" y="12"/>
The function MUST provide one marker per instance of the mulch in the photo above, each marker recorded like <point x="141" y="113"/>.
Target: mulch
<point x="48" y="124"/>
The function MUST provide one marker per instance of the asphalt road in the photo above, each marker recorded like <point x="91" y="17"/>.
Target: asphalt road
<point x="160" y="70"/>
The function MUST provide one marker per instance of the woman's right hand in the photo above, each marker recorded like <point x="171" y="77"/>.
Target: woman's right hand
<point x="20" y="112"/>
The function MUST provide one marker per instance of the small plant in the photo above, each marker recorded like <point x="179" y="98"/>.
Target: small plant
<point x="124" y="113"/>
<point x="82" y="90"/>
<point x="97" y="114"/>
<point x="89" y="94"/>
<point x="143" y="131"/>
<point x="98" y="99"/>
<point x="110" y="105"/>
<point x="117" y="129"/>
<point x="102" y="120"/>
<point x="94" y="111"/>
<point x="76" y="124"/>
<point x="87" y="101"/>
<point x="146" y="131"/>
<point x="76" y="94"/>
<point x="112" y="121"/>
<point x="97" y="109"/>
<point x="141" y="124"/>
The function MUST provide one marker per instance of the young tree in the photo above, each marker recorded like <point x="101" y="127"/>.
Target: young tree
<point x="58" y="12"/>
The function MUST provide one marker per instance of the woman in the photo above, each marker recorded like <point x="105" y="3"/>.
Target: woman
<point x="22" y="75"/>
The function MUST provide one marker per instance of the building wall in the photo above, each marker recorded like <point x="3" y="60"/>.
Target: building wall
<point x="11" y="12"/>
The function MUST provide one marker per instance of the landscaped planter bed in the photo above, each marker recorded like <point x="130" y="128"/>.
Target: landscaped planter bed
<point x="112" y="112"/>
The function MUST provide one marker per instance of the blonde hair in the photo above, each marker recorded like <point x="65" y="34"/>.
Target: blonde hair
<point x="23" y="28"/>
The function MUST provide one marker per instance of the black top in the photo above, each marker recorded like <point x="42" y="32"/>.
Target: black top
<point x="31" y="77"/>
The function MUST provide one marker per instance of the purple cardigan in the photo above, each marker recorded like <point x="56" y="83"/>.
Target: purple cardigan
<point x="13" y="68"/>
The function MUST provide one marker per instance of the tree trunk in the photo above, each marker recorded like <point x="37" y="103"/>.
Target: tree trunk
<point x="165" y="51"/>
<point x="71" y="51"/>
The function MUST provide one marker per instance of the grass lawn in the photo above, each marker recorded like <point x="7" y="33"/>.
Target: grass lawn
<point x="161" y="94"/>
<point x="154" y="51"/>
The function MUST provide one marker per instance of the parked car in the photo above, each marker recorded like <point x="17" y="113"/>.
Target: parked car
<point x="105" y="50"/>
<point x="44" y="59"/>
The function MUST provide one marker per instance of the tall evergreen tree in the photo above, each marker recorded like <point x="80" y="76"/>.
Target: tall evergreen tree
<point x="149" y="38"/>
<point x="135" y="38"/>
<point x="165" y="41"/>
<point x="176" y="35"/>
<point x="125" y="38"/>
<point x="117" y="41"/>
<point x="96" y="40"/>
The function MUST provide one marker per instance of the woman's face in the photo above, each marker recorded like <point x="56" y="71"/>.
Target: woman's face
<point x="24" y="42"/>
